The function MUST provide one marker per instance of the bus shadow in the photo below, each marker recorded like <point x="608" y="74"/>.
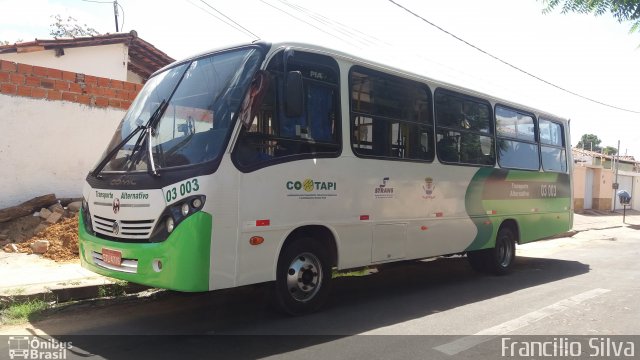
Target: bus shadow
<point x="238" y="323"/>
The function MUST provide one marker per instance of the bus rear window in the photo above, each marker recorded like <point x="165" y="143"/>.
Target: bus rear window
<point x="552" y="146"/>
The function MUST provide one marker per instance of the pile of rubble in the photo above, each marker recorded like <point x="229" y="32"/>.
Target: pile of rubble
<point x="51" y="231"/>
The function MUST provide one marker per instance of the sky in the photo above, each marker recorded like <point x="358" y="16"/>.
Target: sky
<point x="594" y="57"/>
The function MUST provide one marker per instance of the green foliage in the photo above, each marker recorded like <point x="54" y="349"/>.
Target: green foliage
<point x="21" y="312"/>
<point x="117" y="289"/>
<point x="622" y="10"/>
<point x="590" y="142"/>
<point x="353" y="273"/>
<point x="610" y="150"/>
<point x="70" y="28"/>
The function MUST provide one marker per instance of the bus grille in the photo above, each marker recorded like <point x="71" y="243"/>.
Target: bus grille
<point x="128" y="229"/>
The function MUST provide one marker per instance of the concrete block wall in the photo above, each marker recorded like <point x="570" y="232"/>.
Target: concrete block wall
<point x="579" y="177"/>
<point x="602" y="189"/>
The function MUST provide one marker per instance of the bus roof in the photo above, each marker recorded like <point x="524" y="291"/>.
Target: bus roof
<point x="358" y="60"/>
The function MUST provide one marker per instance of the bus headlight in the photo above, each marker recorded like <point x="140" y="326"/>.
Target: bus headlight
<point x="184" y="209"/>
<point x="173" y="215"/>
<point x="170" y="224"/>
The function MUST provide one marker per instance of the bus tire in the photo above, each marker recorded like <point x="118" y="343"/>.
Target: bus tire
<point x="499" y="259"/>
<point x="303" y="277"/>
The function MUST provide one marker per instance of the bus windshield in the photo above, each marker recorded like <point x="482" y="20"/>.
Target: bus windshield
<point x="193" y="106"/>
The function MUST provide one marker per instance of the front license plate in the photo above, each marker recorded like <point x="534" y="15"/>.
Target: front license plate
<point x="112" y="257"/>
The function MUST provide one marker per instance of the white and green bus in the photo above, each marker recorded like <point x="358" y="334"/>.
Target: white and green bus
<point x="281" y="162"/>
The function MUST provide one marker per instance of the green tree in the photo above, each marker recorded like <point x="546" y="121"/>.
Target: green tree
<point x="622" y="10"/>
<point x="610" y="150"/>
<point x="70" y="28"/>
<point x="590" y="142"/>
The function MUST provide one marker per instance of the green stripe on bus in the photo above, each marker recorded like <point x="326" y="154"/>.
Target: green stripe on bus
<point x="185" y="256"/>
<point x="539" y="203"/>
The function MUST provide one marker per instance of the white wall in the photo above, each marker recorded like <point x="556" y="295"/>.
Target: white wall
<point x="49" y="146"/>
<point x="134" y="78"/>
<point x="109" y="61"/>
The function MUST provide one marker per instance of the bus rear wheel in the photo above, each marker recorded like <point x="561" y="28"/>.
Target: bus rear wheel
<point x="303" y="277"/>
<point x="499" y="259"/>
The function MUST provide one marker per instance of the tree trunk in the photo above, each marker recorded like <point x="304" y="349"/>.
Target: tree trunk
<point x="27" y="207"/>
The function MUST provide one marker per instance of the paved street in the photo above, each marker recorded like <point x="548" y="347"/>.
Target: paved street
<point x="585" y="285"/>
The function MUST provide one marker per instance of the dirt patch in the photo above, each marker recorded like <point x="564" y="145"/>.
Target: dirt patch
<point x="62" y="237"/>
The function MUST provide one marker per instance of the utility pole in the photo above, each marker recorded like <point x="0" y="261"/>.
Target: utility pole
<point x="615" y="184"/>
<point x="115" y="13"/>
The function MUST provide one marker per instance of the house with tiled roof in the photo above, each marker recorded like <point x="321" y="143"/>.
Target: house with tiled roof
<point x="626" y="162"/>
<point x="120" y="56"/>
<point x="60" y="102"/>
<point x="597" y="177"/>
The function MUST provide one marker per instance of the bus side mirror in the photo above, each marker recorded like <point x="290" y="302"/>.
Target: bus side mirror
<point x="294" y="100"/>
<point x="625" y="198"/>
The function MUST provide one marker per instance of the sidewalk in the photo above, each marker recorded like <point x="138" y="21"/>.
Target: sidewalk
<point x="594" y="220"/>
<point x="26" y="277"/>
<point x="31" y="276"/>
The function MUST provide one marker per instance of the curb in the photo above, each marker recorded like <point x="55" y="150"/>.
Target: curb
<point x="573" y="232"/>
<point x="68" y="294"/>
<point x="567" y="234"/>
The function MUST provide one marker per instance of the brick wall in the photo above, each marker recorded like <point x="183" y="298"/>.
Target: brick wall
<point x="55" y="126"/>
<point x="57" y="85"/>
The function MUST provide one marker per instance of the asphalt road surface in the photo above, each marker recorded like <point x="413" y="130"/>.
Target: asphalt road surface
<point x="576" y="290"/>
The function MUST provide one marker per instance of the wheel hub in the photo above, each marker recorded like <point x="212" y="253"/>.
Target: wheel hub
<point x="304" y="277"/>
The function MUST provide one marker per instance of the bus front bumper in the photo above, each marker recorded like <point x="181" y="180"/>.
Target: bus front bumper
<point x="181" y="262"/>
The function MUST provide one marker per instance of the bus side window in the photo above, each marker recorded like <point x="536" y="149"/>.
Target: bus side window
<point x="517" y="145"/>
<point x="448" y="149"/>
<point x="464" y="129"/>
<point x="390" y="116"/>
<point x="321" y="112"/>
<point x="274" y="136"/>
<point x="552" y="146"/>
<point x="290" y="127"/>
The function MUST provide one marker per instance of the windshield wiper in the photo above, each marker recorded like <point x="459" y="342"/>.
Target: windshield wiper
<point x="96" y="172"/>
<point x="149" y="130"/>
<point x="151" y="123"/>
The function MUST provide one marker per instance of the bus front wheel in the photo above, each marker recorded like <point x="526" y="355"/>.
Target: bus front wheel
<point x="499" y="259"/>
<point x="303" y="277"/>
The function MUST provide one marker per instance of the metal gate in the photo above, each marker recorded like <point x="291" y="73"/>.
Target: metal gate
<point x="625" y="183"/>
